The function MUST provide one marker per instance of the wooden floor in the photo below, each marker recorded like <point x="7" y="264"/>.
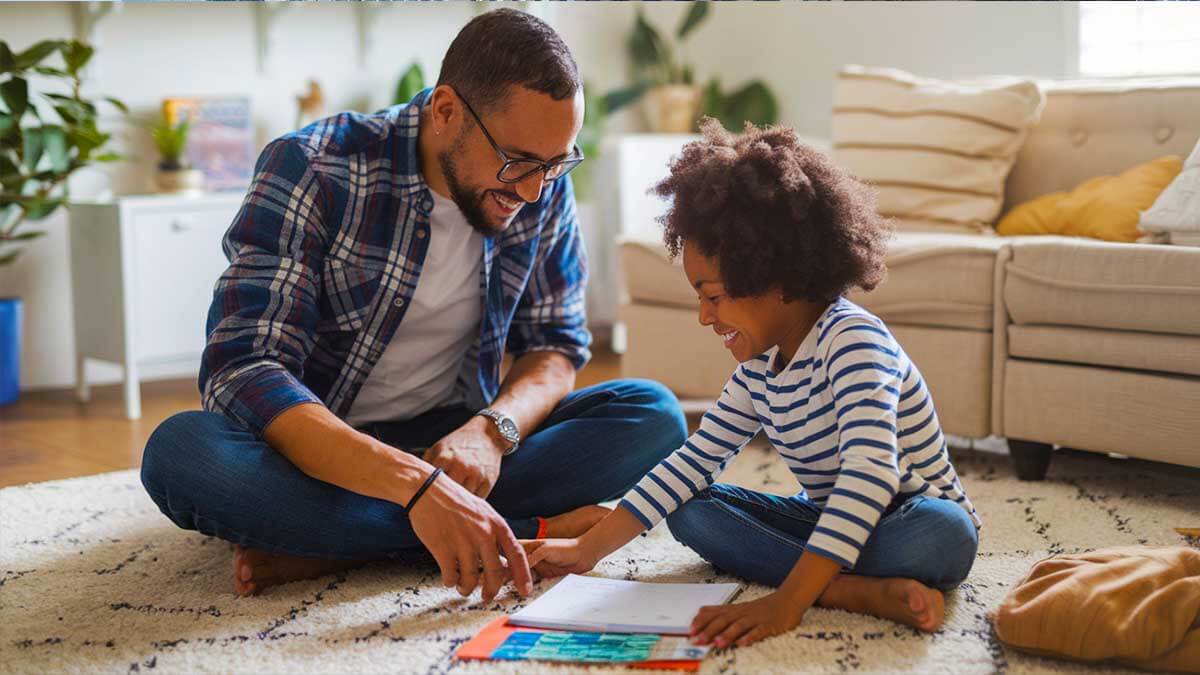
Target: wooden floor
<point x="47" y="435"/>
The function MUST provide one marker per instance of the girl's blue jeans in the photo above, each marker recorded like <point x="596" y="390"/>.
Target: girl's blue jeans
<point x="760" y="537"/>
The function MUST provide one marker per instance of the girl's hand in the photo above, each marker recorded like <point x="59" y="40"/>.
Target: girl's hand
<point x="551" y="558"/>
<point x="744" y="623"/>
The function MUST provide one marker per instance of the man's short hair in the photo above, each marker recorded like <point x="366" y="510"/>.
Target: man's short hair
<point x="506" y="47"/>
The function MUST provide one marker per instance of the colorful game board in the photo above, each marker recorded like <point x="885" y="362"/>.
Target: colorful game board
<point x="532" y="645"/>
<point x="503" y="642"/>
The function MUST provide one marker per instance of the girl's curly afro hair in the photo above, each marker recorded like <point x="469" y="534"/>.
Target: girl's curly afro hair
<point x="775" y="213"/>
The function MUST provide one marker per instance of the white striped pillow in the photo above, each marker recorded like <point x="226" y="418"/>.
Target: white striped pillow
<point x="937" y="152"/>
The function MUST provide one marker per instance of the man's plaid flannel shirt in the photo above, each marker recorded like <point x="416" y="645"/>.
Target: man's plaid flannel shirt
<point x="325" y="254"/>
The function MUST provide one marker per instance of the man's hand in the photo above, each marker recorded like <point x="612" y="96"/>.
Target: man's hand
<point x="471" y="455"/>
<point x="559" y="557"/>
<point x="746" y="622"/>
<point x="464" y="533"/>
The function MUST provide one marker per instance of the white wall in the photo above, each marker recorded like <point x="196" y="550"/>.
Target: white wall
<point x="146" y="52"/>
<point x="798" y="47"/>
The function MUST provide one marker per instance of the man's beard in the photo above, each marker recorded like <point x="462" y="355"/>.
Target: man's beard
<point x="469" y="200"/>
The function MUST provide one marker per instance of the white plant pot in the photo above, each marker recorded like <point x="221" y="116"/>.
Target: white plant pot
<point x="182" y="181"/>
<point x="672" y="108"/>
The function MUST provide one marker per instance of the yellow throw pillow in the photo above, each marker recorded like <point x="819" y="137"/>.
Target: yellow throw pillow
<point x="1105" y="207"/>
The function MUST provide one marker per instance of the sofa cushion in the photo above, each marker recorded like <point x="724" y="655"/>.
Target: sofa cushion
<point x="1177" y="209"/>
<point x="936" y="280"/>
<point x="933" y="279"/>
<point x="651" y="277"/>
<point x="1104" y="207"/>
<point x="938" y="152"/>
<point x="1162" y="352"/>
<point x="1082" y="282"/>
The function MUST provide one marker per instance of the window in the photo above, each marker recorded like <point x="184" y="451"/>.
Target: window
<point x="1139" y="38"/>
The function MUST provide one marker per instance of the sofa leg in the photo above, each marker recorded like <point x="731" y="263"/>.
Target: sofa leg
<point x="1030" y="459"/>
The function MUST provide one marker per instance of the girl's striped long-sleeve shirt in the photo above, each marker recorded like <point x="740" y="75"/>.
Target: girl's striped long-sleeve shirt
<point x="851" y="416"/>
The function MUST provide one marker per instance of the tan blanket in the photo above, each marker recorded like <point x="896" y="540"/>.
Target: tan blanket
<point x="1137" y="605"/>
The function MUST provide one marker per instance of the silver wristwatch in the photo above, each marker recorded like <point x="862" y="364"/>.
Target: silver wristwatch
<point x="506" y="426"/>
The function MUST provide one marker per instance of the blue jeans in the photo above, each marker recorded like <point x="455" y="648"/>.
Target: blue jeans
<point x="206" y="473"/>
<point x="760" y="537"/>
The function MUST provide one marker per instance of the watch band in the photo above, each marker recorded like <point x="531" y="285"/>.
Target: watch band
<point x="506" y="426"/>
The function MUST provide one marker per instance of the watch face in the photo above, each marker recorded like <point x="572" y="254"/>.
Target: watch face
<point x="508" y="428"/>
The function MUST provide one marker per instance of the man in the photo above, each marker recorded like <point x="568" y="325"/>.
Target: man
<point x="380" y="267"/>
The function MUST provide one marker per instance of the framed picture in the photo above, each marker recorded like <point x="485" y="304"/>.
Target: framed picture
<point x="221" y="138"/>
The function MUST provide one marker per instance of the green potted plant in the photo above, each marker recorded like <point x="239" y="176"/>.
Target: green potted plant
<point x="45" y="137"/>
<point x="660" y="76"/>
<point x="672" y="101"/>
<point x="175" y="175"/>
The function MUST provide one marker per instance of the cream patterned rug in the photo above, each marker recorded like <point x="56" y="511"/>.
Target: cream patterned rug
<point x="94" y="579"/>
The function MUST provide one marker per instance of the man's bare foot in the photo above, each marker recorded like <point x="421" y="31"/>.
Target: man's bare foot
<point x="906" y="601"/>
<point x="255" y="570"/>
<point x="575" y="523"/>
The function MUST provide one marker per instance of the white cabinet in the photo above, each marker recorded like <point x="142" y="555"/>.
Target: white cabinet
<point x="142" y="275"/>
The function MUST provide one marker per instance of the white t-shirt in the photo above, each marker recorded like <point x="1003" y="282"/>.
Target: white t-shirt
<point x="420" y="365"/>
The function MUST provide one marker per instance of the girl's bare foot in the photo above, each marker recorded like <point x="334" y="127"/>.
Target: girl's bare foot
<point x="906" y="601"/>
<point x="255" y="570"/>
<point x="575" y="523"/>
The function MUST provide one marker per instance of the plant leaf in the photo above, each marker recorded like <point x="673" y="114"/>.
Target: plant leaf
<point x="7" y="258"/>
<point x="67" y="114"/>
<point x="11" y="179"/>
<point x="86" y="107"/>
<point x="8" y="124"/>
<point x="118" y="104"/>
<point x="619" y="98"/>
<point x="27" y="236"/>
<point x="37" y="209"/>
<point x="12" y="182"/>
<point x="595" y="110"/>
<point x="54" y="140"/>
<point x="32" y="56"/>
<point x="7" y="210"/>
<point x="52" y="72"/>
<point x="411" y="83"/>
<point x="15" y="93"/>
<point x="712" y="104"/>
<point x="646" y="48"/>
<point x="76" y="55"/>
<point x="72" y="112"/>
<point x="86" y="137"/>
<point x="8" y="60"/>
<point x="33" y="147"/>
<point x="171" y="141"/>
<point x="753" y="103"/>
<point x="693" y="18"/>
<point x="108" y="157"/>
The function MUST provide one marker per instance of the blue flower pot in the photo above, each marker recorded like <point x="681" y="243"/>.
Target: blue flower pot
<point x="10" y="349"/>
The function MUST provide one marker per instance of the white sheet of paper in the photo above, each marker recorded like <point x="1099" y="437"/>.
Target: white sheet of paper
<point x="615" y="606"/>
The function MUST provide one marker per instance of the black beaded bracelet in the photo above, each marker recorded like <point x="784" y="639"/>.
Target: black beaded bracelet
<point x="424" y="486"/>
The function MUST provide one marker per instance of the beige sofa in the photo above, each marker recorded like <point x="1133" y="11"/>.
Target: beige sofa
<point x="1041" y="340"/>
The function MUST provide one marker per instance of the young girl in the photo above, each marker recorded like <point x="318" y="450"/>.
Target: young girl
<point x="772" y="235"/>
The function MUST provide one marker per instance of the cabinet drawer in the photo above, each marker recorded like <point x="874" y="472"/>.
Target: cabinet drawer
<point x="177" y="260"/>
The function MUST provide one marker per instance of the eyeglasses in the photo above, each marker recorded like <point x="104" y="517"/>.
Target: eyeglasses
<point x="517" y="170"/>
